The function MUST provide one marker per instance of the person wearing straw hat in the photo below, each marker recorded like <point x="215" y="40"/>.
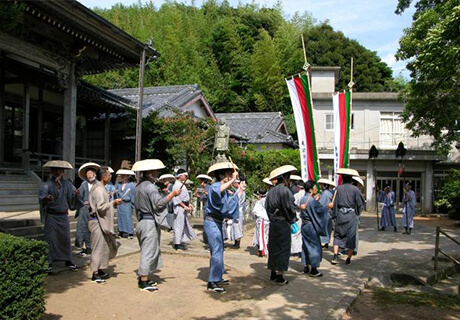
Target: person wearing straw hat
<point x="202" y="196"/>
<point x="296" y="238"/>
<point x="124" y="190"/>
<point x="110" y="187"/>
<point x="327" y="192"/>
<point x="221" y="205"/>
<point x="167" y="181"/>
<point x="235" y="226"/>
<point x="314" y="217"/>
<point x="409" y="203"/>
<point x="56" y="197"/>
<point x="182" y="229"/>
<point x="262" y="224"/>
<point x="151" y="211"/>
<point x="268" y="184"/>
<point x="87" y="173"/>
<point x="348" y="204"/>
<point x="103" y="242"/>
<point x="281" y="210"/>
<point x="359" y="183"/>
<point x="388" y="218"/>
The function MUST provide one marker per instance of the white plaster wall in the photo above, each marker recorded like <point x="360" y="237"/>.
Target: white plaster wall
<point x="198" y="109"/>
<point x="366" y="130"/>
<point x="322" y="81"/>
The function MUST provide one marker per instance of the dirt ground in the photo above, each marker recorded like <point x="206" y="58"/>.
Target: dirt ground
<point x="366" y="307"/>
<point x="182" y="292"/>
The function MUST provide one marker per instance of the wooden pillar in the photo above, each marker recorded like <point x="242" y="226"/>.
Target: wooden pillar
<point x="2" y="115"/>
<point x="40" y="120"/>
<point x="70" y="119"/>
<point x="25" y="127"/>
<point x="107" y="137"/>
<point x="84" y="136"/>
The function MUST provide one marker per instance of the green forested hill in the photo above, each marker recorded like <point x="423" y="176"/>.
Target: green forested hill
<point x="239" y="56"/>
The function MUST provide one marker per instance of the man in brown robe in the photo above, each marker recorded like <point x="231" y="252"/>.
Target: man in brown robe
<point x="103" y="242"/>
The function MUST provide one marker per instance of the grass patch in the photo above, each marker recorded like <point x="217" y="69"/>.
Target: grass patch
<point x="441" y="301"/>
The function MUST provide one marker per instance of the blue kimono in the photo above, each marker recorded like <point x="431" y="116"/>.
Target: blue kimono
<point x="409" y="203"/>
<point x="82" y="234"/>
<point x="220" y="206"/>
<point x="111" y="190"/>
<point x="324" y="201"/>
<point x="314" y="225"/>
<point x="125" y="209"/>
<point x="388" y="218"/>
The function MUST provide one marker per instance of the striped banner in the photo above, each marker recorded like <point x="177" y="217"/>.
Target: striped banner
<point x="342" y="118"/>
<point x="299" y="91"/>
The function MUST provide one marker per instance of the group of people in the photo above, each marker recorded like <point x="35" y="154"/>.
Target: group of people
<point x="388" y="218"/>
<point x="299" y="221"/>
<point x="291" y="218"/>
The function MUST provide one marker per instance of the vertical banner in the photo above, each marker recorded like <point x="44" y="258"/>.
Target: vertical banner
<point x="342" y="121"/>
<point x="299" y="91"/>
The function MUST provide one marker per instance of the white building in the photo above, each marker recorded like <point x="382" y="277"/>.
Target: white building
<point x="376" y="121"/>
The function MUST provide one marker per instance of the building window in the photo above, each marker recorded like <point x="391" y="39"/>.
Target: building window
<point x="329" y="121"/>
<point x="391" y="128"/>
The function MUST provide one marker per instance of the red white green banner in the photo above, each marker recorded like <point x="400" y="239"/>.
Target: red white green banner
<point x="342" y="119"/>
<point x="299" y="90"/>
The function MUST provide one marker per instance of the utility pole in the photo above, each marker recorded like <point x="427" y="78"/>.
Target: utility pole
<point x="140" y="102"/>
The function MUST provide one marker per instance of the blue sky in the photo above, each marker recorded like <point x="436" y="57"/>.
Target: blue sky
<point x="372" y="22"/>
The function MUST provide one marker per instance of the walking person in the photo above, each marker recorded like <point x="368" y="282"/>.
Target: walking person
<point x="348" y="204"/>
<point x="327" y="193"/>
<point x="388" y="218"/>
<point x="281" y="210"/>
<point x="221" y="205"/>
<point x="57" y="196"/>
<point x="235" y="226"/>
<point x="124" y="190"/>
<point x="103" y="241"/>
<point x="296" y="238"/>
<point x="202" y="194"/>
<point x="262" y="224"/>
<point x="183" y="231"/>
<point x="409" y="203"/>
<point x="87" y="172"/>
<point x="151" y="214"/>
<point x="315" y="218"/>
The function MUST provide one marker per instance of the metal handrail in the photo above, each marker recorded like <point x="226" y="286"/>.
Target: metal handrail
<point x="438" y="250"/>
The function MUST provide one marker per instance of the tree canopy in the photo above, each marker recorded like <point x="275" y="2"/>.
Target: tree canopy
<point x="240" y="55"/>
<point x="432" y="48"/>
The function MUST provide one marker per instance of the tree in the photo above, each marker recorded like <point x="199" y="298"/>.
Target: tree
<point x="449" y="196"/>
<point x="432" y="48"/>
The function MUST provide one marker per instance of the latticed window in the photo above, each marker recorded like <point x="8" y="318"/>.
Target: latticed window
<point x="329" y="121"/>
<point x="392" y="129"/>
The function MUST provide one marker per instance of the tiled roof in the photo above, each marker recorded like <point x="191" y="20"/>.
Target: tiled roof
<point x="257" y="127"/>
<point x="158" y="98"/>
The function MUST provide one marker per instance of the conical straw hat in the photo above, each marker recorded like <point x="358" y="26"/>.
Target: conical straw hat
<point x="61" y="164"/>
<point x="166" y="177"/>
<point x="204" y="177"/>
<point x="281" y="170"/>
<point x="360" y="181"/>
<point x="326" y="181"/>
<point x="86" y="166"/>
<point x="148" y="165"/>
<point x="221" y="166"/>
<point x="126" y="172"/>
<point x="110" y="169"/>
<point x="348" y="172"/>
<point x="267" y="181"/>
<point x="296" y="177"/>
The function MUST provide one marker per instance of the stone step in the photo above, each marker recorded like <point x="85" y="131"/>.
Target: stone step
<point x="18" y="198"/>
<point x="14" y="177"/>
<point x="18" y="184"/>
<point x="33" y="191"/>
<point x="18" y="207"/>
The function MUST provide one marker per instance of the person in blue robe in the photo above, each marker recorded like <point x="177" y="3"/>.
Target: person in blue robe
<point x="326" y="195"/>
<point x="388" y="218"/>
<point x="409" y="203"/>
<point x="110" y="190"/>
<point x="124" y="190"/>
<point x="315" y="219"/>
<point x="221" y="205"/>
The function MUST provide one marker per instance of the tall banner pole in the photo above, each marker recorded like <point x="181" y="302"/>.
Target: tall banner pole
<point x="350" y="85"/>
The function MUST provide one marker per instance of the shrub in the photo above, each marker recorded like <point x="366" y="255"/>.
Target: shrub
<point x="22" y="271"/>
<point x="449" y="196"/>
